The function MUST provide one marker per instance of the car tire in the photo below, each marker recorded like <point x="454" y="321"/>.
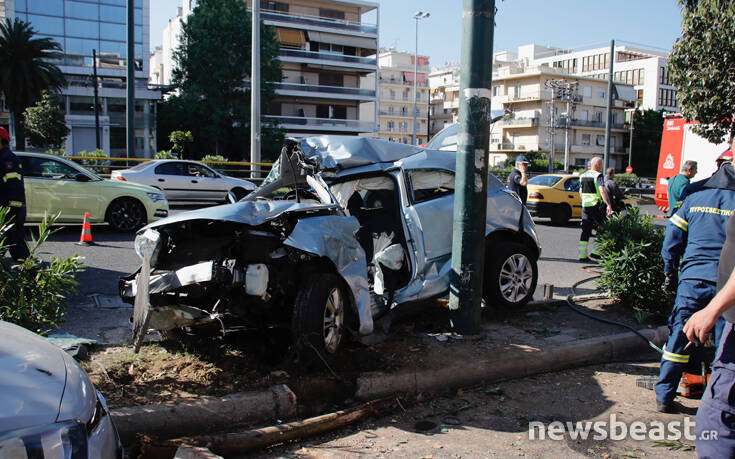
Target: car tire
<point x="511" y="274"/>
<point x="126" y="215"/>
<point x="239" y="192"/>
<point x="318" y="322"/>
<point x="561" y="214"/>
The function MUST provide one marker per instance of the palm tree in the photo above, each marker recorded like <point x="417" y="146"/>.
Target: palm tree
<point x="25" y="71"/>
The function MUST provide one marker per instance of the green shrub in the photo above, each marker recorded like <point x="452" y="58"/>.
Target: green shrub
<point x="630" y="251"/>
<point x="164" y="154"/>
<point x="60" y="152"/>
<point x="626" y="180"/>
<point x="32" y="292"/>
<point x="215" y="158"/>
<point x="95" y="164"/>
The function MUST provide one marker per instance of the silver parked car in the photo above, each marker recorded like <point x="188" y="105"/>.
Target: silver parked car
<point x="182" y="180"/>
<point x="48" y="406"/>
<point x="342" y="230"/>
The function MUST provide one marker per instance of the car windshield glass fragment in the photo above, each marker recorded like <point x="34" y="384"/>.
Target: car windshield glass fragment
<point x="544" y="180"/>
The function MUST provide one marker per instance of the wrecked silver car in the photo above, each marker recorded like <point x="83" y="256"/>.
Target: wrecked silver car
<point x="341" y="231"/>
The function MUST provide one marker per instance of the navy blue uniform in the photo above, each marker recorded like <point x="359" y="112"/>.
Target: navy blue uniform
<point x="717" y="409"/>
<point x="514" y="184"/>
<point x="696" y="231"/>
<point x="12" y="195"/>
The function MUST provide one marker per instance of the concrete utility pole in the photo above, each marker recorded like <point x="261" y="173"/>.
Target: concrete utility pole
<point x="608" y="125"/>
<point x="470" y="199"/>
<point x="255" y="93"/>
<point x="130" y="102"/>
<point x="419" y="15"/>
<point x="630" y="144"/>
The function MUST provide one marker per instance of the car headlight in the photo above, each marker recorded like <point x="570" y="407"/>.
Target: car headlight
<point x="147" y="243"/>
<point x="66" y="439"/>
<point x="155" y="197"/>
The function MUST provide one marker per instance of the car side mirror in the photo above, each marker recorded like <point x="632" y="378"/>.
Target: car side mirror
<point x="231" y="198"/>
<point x="82" y="178"/>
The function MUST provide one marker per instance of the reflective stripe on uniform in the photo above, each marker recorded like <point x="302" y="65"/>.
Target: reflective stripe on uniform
<point x="677" y="358"/>
<point x="11" y="175"/>
<point x="590" y="199"/>
<point x="15" y="204"/>
<point x="679" y="222"/>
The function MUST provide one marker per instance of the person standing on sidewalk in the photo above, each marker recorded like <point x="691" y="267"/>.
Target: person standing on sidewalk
<point x="695" y="235"/>
<point x="678" y="183"/>
<point x="13" y="196"/>
<point x="717" y="406"/>
<point x="594" y="200"/>
<point x="518" y="180"/>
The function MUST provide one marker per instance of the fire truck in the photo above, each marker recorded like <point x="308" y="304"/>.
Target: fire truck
<point x="679" y="143"/>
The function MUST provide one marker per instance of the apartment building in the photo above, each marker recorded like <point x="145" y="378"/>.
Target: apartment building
<point x="645" y="69"/>
<point x="522" y="90"/>
<point x="84" y="26"/>
<point x="326" y="48"/>
<point x="443" y="97"/>
<point x="396" y="97"/>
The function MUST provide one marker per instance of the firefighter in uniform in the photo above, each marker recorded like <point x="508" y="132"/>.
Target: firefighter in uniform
<point x="594" y="198"/>
<point x="12" y="196"/>
<point x="695" y="235"/>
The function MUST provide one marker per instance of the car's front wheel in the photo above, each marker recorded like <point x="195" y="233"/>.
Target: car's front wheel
<point x="318" y="321"/>
<point x="126" y="214"/>
<point x="511" y="274"/>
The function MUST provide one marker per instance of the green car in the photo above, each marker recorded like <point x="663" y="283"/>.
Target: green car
<point x="55" y="185"/>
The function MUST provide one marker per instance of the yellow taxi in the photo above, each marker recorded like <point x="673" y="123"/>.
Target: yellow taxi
<point x="555" y="196"/>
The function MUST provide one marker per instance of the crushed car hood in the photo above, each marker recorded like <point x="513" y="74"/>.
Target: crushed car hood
<point x="247" y="212"/>
<point x="32" y="378"/>
<point x="347" y="152"/>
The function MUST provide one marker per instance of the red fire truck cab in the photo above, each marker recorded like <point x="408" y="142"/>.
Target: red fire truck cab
<point x="679" y="144"/>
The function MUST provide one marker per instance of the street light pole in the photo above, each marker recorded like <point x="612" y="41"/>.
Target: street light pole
<point x="255" y="93"/>
<point x="417" y="16"/>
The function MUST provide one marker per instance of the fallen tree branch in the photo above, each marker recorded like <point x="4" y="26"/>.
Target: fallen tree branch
<point x="250" y="440"/>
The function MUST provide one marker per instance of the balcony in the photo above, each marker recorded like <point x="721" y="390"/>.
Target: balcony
<point x="594" y="124"/>
<point x="527" y="96"/>
<point x="519" y="123"/>
<point x="595" y="149"/>
<point x="312" y="57"/>
<point x="300" y="123"/>
<point x="451" y="104"/>
<point x="321" y="91"/>
<point x="406" y="114"/>
<point x="402" y="83"/>
<point x="286" y="19"/>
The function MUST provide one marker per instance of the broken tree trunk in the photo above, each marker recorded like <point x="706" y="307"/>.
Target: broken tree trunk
<point x="249" y="440"/>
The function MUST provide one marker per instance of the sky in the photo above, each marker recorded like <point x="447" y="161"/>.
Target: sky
<point x="566" y="24"/>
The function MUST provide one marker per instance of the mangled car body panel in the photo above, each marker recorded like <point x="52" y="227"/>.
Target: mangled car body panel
<point x="376" y="213"/>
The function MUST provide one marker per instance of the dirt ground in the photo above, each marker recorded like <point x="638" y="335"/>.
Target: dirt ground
<point x="493" y="421"/>
<point x="169" y="372"/>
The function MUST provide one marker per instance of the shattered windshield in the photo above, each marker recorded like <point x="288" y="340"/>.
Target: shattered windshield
<point x="287" y="182"/>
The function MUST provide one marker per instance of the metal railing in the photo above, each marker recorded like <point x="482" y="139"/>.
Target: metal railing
<point x="323" y="89"/>
<point x="329" y="57"/>
<point x="520" y="122"/>
<point x="600" y="124"/>
<point x="319" y="21"/>
<point x="403" y="83"/>
<point x="104" y="166"/>
<point x="357" y="125"/>
<point x="406" y="114"/>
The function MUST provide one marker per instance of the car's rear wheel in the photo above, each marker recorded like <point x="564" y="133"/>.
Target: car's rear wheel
<point x="126" y="214"/>
<point x="561" y="214"/>
<point x="511" y="275"/>
<point x="319" y="316"/>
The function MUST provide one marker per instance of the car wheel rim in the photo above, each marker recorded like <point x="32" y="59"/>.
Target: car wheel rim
<point x="516" y="277"/>
<point x="333" y="320"/>
<point x="126" y="215"/>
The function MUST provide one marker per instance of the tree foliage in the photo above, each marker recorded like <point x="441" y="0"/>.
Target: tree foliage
<point x="179" y="140"/>
<point x="702" y="67"/>
<point x="647" y="128"/>
<point x="25" y="71"/>
<point x="212" y="71"/>
<point x="45" y="122"/>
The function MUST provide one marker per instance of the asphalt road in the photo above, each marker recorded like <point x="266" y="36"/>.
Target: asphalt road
<point x="113" y="256"/>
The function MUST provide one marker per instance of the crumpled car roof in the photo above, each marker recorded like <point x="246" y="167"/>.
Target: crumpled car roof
<point x="347" y="152"/>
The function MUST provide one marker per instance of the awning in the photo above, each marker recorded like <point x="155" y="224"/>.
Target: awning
<point x="290" y="37"/>
<point x="344" y="40"/>
<point x="626" y="92"/>
<point x="409" y="77"/>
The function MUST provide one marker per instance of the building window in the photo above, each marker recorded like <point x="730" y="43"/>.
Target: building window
<point x="331" y="14"/>
<point x="601" y="94"/>
<point x="600" y="141"/>
<point x="586" y="139"/>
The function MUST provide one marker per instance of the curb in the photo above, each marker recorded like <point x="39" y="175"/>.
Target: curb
<point x="206" y="413"/>
<point x="280" y="403"/>
<point x="605" y="349"/>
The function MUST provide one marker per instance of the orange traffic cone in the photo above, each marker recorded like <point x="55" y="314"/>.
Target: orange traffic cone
<point x="86" y="237"/>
